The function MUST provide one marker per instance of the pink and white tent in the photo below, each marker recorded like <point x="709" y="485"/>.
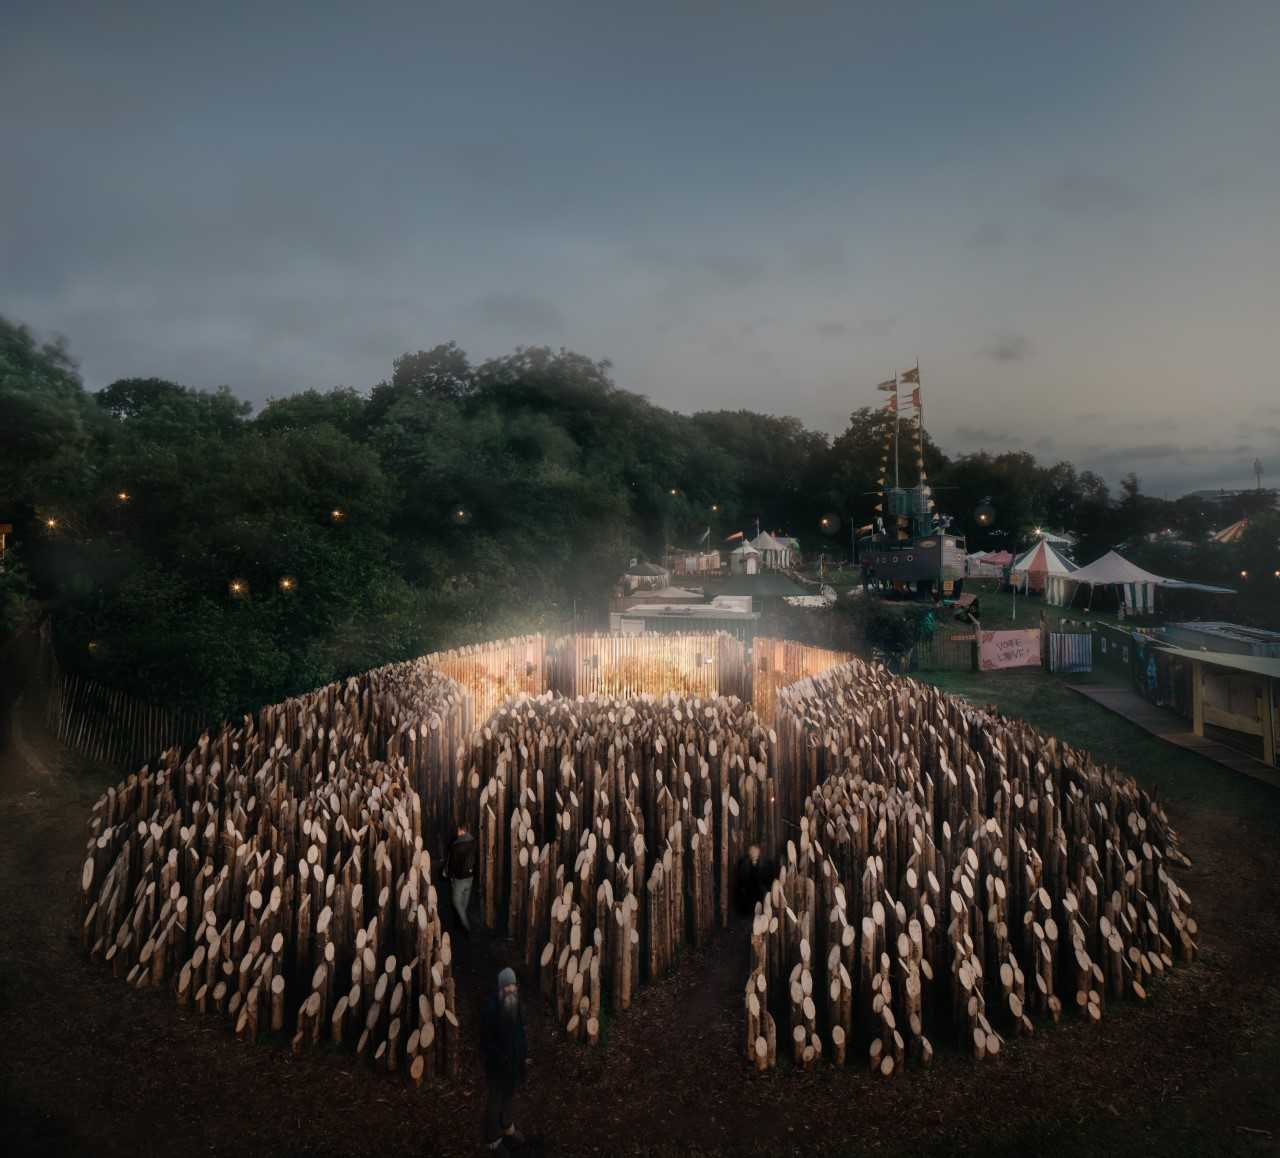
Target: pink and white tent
<point x="1032" y="570"/>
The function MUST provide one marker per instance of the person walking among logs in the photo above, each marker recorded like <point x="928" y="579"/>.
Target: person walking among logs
<point x="460" y="868"/>
<point x="505" y="1051"/>
<point x="755" y="874"/>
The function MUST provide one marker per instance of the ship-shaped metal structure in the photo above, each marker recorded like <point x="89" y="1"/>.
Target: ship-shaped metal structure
<point x="910" y="548"/>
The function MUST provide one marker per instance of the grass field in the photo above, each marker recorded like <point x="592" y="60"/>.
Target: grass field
<point x="1001" y="609"/>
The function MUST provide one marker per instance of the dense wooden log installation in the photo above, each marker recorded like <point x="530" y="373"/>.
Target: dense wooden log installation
<point x="278" y="874"/>
<point x="610" y="831"/>
<point x="946" y="875"/>
<point x="954" y="875"/>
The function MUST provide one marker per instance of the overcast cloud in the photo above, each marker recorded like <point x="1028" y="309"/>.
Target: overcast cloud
<point x="1062" y="210"/>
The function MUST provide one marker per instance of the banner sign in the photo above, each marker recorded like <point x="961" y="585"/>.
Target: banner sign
<point x="1001" y="649"/>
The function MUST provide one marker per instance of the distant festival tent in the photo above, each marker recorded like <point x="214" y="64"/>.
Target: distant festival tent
<point x="1032" y="570"/>
<point x="976" y="567"/>
<point x="1136" y="587"/>
<point x="1231" y="534"/>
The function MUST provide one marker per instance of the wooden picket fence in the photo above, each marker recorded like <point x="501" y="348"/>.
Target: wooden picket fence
<point x="110" y="727"/>
<point x="778" y="663"/>
<point x="113" y="728"/>
<point x="492" y="672"/>
<point x="695" y="664"/>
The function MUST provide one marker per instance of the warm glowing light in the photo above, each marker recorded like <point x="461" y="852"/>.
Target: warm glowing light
<point x="1244" y="574"/>
<point x="123" y="496"/>
<point x="237" y="586"/>
<point x="51" y="523"/>
<point x="674" y="491"/>
<point x="1037" y="530"/>
<point x="287" y="583"/>
<point x="715" y="506"/>
<point x="337" y="515"/>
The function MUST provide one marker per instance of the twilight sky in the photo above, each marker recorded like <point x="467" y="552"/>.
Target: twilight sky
<point x="1069" y="212"/>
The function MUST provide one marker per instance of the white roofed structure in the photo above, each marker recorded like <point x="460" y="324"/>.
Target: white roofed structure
<point x="1136" y="586"/>
<point x="744" y="559"/>
<point x="775" y="554"/>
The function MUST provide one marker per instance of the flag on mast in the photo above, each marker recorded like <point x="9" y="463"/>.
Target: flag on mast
<point x="888" y="384"/>
<point x="891" y="406"/>
<point x="910" y="377"/>
<point x="915" y="396"/>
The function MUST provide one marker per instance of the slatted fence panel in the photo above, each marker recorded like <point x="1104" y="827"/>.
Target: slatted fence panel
<point x="945" y="651"/>
<point x="1070" y="652"/>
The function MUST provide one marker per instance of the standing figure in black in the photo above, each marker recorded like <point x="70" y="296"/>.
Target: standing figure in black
<point x="755" y="875"/>
<point x="460" y="868"/>
<point x="505" y="1051"/>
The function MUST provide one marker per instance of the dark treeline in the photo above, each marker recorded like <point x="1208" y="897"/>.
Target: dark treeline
<point x="451" y="502"/>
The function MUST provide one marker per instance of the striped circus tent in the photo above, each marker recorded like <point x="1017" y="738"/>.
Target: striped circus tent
<point x="1032" y="570"/>
<point x="1231" y="534"/>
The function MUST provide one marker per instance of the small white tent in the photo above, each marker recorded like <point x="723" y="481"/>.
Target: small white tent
<point x="776" y="555"/>
<point x="744" y="560"/>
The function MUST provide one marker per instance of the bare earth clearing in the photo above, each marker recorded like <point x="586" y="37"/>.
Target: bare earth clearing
<point x="89" y="1066"/>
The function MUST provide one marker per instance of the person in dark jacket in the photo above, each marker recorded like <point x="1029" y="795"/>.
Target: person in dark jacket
<point x="460" y="868"/>
<point x="505" y="1051"/>
<point x="755" y="875"/>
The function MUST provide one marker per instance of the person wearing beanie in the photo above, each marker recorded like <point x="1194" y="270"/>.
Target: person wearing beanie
<point x="505" y="1051"/>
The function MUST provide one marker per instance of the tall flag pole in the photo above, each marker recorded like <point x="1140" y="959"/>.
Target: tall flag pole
<point x="889" y="385"/>
<point x="912" y="378"/>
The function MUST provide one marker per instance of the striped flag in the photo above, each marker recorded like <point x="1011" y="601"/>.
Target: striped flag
<point x="891" y="406"/>
<point x="735" y="535"/>
<point x="910" y="377"/>
<point x="915" y="395"/>
<point x="888" y="384"/>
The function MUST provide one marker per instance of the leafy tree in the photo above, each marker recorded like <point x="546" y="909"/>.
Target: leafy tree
<point x="454" y="502"/>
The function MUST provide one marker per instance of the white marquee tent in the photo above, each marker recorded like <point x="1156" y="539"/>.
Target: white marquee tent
<point x="1137" y="587"/>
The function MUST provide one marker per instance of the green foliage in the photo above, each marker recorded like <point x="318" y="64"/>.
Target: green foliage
<point x="472" y="501"/>
<point x="17" y="607"/>
<point x="889" y="629"/>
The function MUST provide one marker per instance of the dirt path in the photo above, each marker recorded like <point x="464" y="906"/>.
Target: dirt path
<point x="88" y="1066"/>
